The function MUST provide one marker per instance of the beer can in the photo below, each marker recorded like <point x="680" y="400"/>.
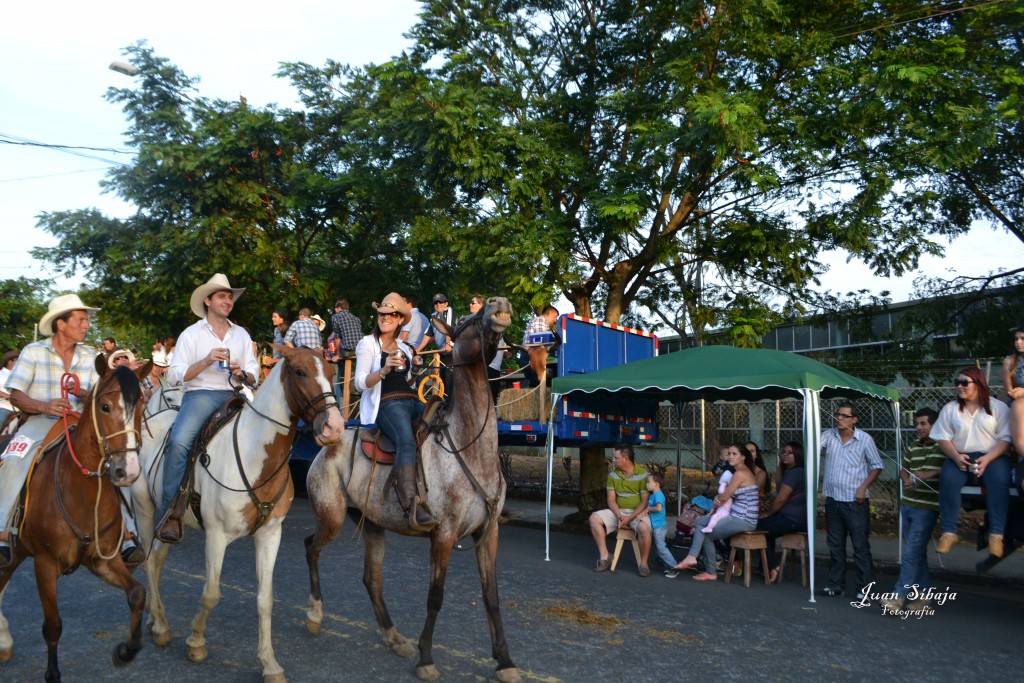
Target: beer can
<point x="226" y="363"/>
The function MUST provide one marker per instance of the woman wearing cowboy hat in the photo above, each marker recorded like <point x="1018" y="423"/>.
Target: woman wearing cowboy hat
<point x="197" y="363"/>
<point x="35" y="387"/>
<point x="383" y="373"/>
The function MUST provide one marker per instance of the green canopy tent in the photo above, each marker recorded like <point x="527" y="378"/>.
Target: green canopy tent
<point x="726" y="373"/>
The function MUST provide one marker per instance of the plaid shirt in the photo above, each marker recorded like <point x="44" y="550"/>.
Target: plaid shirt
<point x="348" y="328"/>
<point x="39" y="370"/>
<point x="304" y="332"/>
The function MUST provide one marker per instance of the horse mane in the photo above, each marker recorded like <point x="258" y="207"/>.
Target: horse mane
<point x="130" y="388"/>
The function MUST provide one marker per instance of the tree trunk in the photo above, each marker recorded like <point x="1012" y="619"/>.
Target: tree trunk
<point x="593" y="480"/>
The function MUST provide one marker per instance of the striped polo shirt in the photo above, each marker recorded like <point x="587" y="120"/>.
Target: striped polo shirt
<point x="921" y="457"/>
<point x="628" y="490"/>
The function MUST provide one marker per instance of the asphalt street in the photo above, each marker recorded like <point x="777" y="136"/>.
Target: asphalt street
<point x="564" y="622"/>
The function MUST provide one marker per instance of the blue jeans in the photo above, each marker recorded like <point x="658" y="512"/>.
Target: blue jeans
<point x="917" y="531"/>
<point x="395" y="419"/>
<point x="853" y="519"/>
<point x="778" y="525"/>
<point x="660" y="548"/>
<point x="705" y="543"/>
<point x="196" y="408"/>
<point x="997" y="493"/>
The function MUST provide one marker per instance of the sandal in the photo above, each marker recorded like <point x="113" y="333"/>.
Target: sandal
<point x="773" y="574"/>
<point x="706" y="577"/>
<point x="685" y="564"/>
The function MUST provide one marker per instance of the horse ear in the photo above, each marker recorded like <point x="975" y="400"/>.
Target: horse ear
<point x="101" y="365"/>
<point x="440" y="324"/>
<point x="144" y="370"/>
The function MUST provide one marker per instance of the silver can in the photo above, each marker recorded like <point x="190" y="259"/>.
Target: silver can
<point x="226" y="363"/>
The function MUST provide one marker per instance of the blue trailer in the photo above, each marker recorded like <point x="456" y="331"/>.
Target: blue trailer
<point x="589" y="345"/>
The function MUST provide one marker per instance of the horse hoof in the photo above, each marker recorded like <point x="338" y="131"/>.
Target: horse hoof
<point x="313" y="626"/>
<point x="399" y="644"/>
<point x="161" y="638"/>
<point x="275" y="678"/>
<point x="197" y="654"/>
<point x="427" y="672"/>
<point x="509" y="675"/>
<point x="5" y="655"/>
<point x="122" y="655"/>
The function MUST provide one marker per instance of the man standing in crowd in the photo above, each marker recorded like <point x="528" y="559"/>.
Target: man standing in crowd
<point x="347" y="330"/>
<point x="852" y="463"/>
<point x="412" y="332"/>
<point x="627" y="508"/>
<point x="922" y="464"/>
<point x="108" y="346"/>
<point x="208" y="353"/>
<point x="35" y="388"/>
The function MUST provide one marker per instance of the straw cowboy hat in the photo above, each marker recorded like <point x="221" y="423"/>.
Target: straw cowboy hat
<point x="394" y="303"/>
<point x="217" y="283"/>
<point x="118" y="354"/>
<point x="319" y="322"/>
<point x="58" y="307"/>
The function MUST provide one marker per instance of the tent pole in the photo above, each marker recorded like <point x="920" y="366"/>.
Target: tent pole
<point x="812" y="463"/>
<point x="550" y="443"/>
<point x="679" y="457"/>
<point x="899" y="480"/>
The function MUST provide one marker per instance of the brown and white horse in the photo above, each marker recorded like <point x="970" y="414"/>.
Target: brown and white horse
<point x="464" y="491"/>
<point x="245" y="489"/>
<point x="73" y="515"/>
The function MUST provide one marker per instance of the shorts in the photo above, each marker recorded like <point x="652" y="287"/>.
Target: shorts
<point x="611" y="522"/>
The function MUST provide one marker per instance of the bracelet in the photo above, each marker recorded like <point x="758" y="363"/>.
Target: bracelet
<point x="382" y="375"/>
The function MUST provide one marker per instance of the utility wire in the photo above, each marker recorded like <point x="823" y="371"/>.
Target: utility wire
<point x="52" y="175"/>
<point x="67" y="149"/>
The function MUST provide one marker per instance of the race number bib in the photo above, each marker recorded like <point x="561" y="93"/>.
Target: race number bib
<point x="17" y="447"/>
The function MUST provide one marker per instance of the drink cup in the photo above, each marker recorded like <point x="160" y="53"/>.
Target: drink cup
<point x="226" y="363"/>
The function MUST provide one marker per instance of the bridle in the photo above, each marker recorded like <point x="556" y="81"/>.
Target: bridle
<point x="69" y="384"/>
<point x="304" y="405"/>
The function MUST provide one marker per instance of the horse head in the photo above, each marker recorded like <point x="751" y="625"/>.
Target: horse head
<point x="113" y="411"/>
<point x="491" y="321"/>
<point x="308" y="390"/>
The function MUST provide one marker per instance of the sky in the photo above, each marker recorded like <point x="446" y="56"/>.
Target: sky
<point x="56" y="57"/>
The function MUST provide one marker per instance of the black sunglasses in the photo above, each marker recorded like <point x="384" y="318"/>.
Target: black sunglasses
<point x="963" y="382"/>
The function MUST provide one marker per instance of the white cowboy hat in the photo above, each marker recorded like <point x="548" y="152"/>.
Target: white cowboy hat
<point x="114" y="355"/>
<point x="217" y="283"/>
<point x="58" y="307"/>
<point x="319" y="322"/>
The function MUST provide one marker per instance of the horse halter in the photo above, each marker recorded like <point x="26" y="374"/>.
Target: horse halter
<point x="307" y="404"/>
<point x="67" y="382"/>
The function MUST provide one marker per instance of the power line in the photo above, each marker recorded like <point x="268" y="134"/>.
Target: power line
<point x="53" y="175"/>
<point x="67" y="149"/>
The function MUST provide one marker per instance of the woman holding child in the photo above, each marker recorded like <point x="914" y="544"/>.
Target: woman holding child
<point x="743" y="492"/>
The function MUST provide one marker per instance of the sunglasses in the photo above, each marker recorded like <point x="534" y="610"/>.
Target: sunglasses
<point x="389" y="315"/>
<point x="963" y="382"/>
<point x="843" y="416"/>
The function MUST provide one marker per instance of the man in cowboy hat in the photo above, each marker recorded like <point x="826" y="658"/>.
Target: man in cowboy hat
<point x="35" y="388"/>
<point x="305" y="331"/>
<point x="203" y="349"/>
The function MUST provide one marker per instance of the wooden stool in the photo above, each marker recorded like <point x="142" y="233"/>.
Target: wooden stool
<point x="747" y="541"/>
<point x="621" y="536"/>
<point x="797" y="542"/>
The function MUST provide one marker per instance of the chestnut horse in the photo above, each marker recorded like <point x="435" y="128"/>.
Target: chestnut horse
<point x="73" y="512"/>
<point x="244" y="488"/>
<point x="464" y="491"/>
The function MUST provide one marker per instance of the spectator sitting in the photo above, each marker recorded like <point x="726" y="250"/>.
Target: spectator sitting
<point x="627" y="508"/>
<point x="743" y="492"/>
<point x="413" y="331"/>
<point x="725" y="508"/>
<point x="788" y="512"/>
<point x="973" y="433"/>
<point x="1013" y="380"/>
<point x="723" y="462"/>
<point x="760" y="471"/>
<point x="304" y="332"/>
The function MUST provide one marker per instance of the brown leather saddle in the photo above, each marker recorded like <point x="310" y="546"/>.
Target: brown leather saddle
<point x="378" y="447"/>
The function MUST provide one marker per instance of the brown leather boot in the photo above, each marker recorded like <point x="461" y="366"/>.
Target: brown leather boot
<point x="170" y="528"/>
<point x="405" y="485"/>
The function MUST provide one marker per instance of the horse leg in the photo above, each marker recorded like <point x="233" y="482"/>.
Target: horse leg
<point x="267" y="540"/>
<point x="486" y="562"/>
<point x="6" y="641"/>
<point x="440" y="553"/>
<point x="154" y="566"/>
<point x="46" y="584"/>
<point x="324" y="488"/>
<point x="373" y="579"/>
<point x="216" y="544"/>
<point x="116" y="574"/>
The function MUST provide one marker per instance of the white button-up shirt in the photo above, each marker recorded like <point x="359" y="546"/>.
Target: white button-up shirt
<point x="975" y="433"/>
<point x="196" y="342"/>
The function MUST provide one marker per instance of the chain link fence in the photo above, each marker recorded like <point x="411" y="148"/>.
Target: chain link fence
<point x="698" y="430"/>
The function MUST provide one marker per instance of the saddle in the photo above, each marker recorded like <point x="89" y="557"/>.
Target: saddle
<point x="378" y="447"/>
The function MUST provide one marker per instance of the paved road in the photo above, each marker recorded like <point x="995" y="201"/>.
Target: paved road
<point x="564" y="622"/>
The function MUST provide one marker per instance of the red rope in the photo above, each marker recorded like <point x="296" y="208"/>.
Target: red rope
<point x="70" y="385"/>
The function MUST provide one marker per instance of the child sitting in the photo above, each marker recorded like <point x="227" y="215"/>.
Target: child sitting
<point x="725" y="508"/>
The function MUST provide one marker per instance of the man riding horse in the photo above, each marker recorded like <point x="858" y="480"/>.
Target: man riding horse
<point x="208" y="353"/>
<point x="38" y="388"/>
